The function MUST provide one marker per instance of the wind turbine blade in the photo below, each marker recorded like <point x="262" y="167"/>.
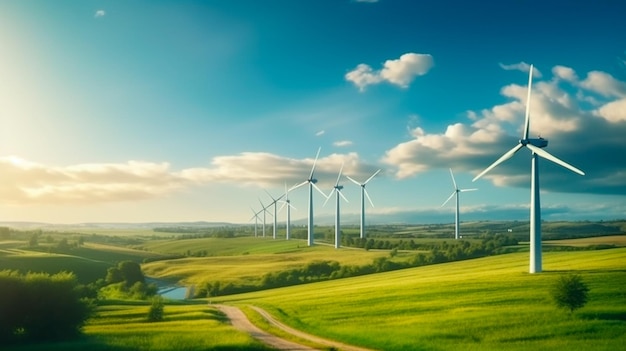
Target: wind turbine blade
<point x="353" y="181"/>
<point x="543" y="153"/>
<point x="339" y="176"/>
<point x="329" y="196"/>
<point x="343" y="197"/>
<point x="464" y="190"/>
<point x="321" y="192"/>
<point x="281" y="207"/>
<point x="527" y="119"/>
<point x="502" y="158"/>
<point x="445" y="202"/>
<point x="298" y="185"/>
<point x="368" y="197"/>
<point x="372" y="176"/>
<point x="453" y="181"/>
<point x="314" y="162"/>
<point x="270" y="195"/>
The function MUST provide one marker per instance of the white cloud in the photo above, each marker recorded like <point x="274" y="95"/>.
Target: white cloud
<point x="320" y="133"/>
<point x="614" y="111"/>
<point x="26" y="182"/>
<point x="342" y="143"/>
<point x="100" y="13"/>
<point x="559" y="114"/>
<point x="523" y="67"/>
<point x="604" y="84"/>
<point x="564" y="73"/>
<point x="400" y="72"/>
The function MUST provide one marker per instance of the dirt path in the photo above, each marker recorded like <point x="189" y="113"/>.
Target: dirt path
<point x="241" y="322"/>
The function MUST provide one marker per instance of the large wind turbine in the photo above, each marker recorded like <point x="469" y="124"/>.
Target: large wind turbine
<point x="287" y="203"/>
<point x="337" y="190"/>
<point x="274" y="201"/>
<point x="363" y="195"/>
<point x="456" y="193"/>
<point x="311" y="181"/>
<point x="535" y="146"/>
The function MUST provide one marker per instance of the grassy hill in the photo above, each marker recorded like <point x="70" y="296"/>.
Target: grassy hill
<point x="482" y="304"/>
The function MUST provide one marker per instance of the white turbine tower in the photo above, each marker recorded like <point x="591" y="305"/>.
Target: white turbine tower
<point x="456" y="193"/>
<point x="311" y="181"/>
<point x="535" y="146"/>
<point x="264" y="209"/>
<point x="363" y="195"/>
<point x="256" y="220"/>
<point x="337" y="190"/>
<point x="274" y="201"/>
<point x="287" y="203"/>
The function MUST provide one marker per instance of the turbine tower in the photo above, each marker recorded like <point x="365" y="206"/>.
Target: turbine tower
<point x="256" y="220"/>
<point x="363" y="195"/>
<point x="311" y="181"/>
<point x="264" y="209"/>
<point x="456" y="193"/>
<point x="287" y="203"/>
<point x="337" y="190"/>
<point x="535" y="146"/>
<point x="274" y="201"/>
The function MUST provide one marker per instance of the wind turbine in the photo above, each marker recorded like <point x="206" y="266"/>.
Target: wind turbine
<point x="363" y="195"/>
<point x="274" y="201"/>
<point x="535" y="146"/>
<point x="256" y="220"/>
<point x="456" y="193"/>
<point x="311" y="181"/>
<point x="287" y="203"/>
<point x="337" y="190"/>
<point x="264" y="209"/>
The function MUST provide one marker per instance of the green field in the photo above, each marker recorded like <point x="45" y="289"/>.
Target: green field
<point x="482" y="304"/>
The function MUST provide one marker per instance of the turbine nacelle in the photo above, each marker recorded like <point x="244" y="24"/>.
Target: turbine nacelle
<point x="538" y="142"/>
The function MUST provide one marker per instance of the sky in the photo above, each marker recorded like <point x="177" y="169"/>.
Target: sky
<point x="168" y="111"/>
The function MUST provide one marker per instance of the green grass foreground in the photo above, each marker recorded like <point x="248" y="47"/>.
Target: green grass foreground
<point x="124" y="327"/>
<point x="483" y="304"/>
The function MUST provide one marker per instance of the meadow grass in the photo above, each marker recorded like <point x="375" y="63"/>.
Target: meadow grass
<point x="185" y="327"/>
<point x="483" y="304"/>
<point x="269" y="256"/>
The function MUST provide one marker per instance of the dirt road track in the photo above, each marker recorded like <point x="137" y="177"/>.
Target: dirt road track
<point x="241" y="322"/>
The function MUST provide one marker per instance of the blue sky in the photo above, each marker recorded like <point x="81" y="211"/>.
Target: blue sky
<point x="119" y="111"/>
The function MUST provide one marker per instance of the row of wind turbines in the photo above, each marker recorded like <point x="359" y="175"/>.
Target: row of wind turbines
<point x="535" y="145"/>
<point x="311" y="182"/>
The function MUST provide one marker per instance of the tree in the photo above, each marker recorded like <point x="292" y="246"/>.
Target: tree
<point x="570" y="292"/>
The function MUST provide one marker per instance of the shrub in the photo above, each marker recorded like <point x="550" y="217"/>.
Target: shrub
<point x="570" y="292"/>
<point x="155" y="314"/>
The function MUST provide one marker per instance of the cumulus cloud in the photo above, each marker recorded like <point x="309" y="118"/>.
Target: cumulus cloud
<point x="583" y="136"/>
<point x="27" y="182"/>
<point x="523" y="67"/>
<point x="400" y="72"/>
<point x="100" y="13"/>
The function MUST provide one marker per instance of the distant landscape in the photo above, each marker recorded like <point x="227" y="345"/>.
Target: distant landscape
<point x="460" y="292"/>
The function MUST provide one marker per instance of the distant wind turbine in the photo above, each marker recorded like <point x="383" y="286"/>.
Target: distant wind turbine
<point x="311" y="182"/>
<point x="363" y="195"/>
<point x="456" y="194"/>
<point x="287" y="203"/>
<point x="535" y="146"/>
<point x="274" y="201"/>
<point x="256" y="220"/>
<point x="337" y="190"/>
<point x="264" y="209"/>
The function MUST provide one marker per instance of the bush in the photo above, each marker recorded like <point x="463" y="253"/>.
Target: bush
<point x="40" y="307"/>
<point x="155" y="314"/>
<point x="570" y="292"/>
